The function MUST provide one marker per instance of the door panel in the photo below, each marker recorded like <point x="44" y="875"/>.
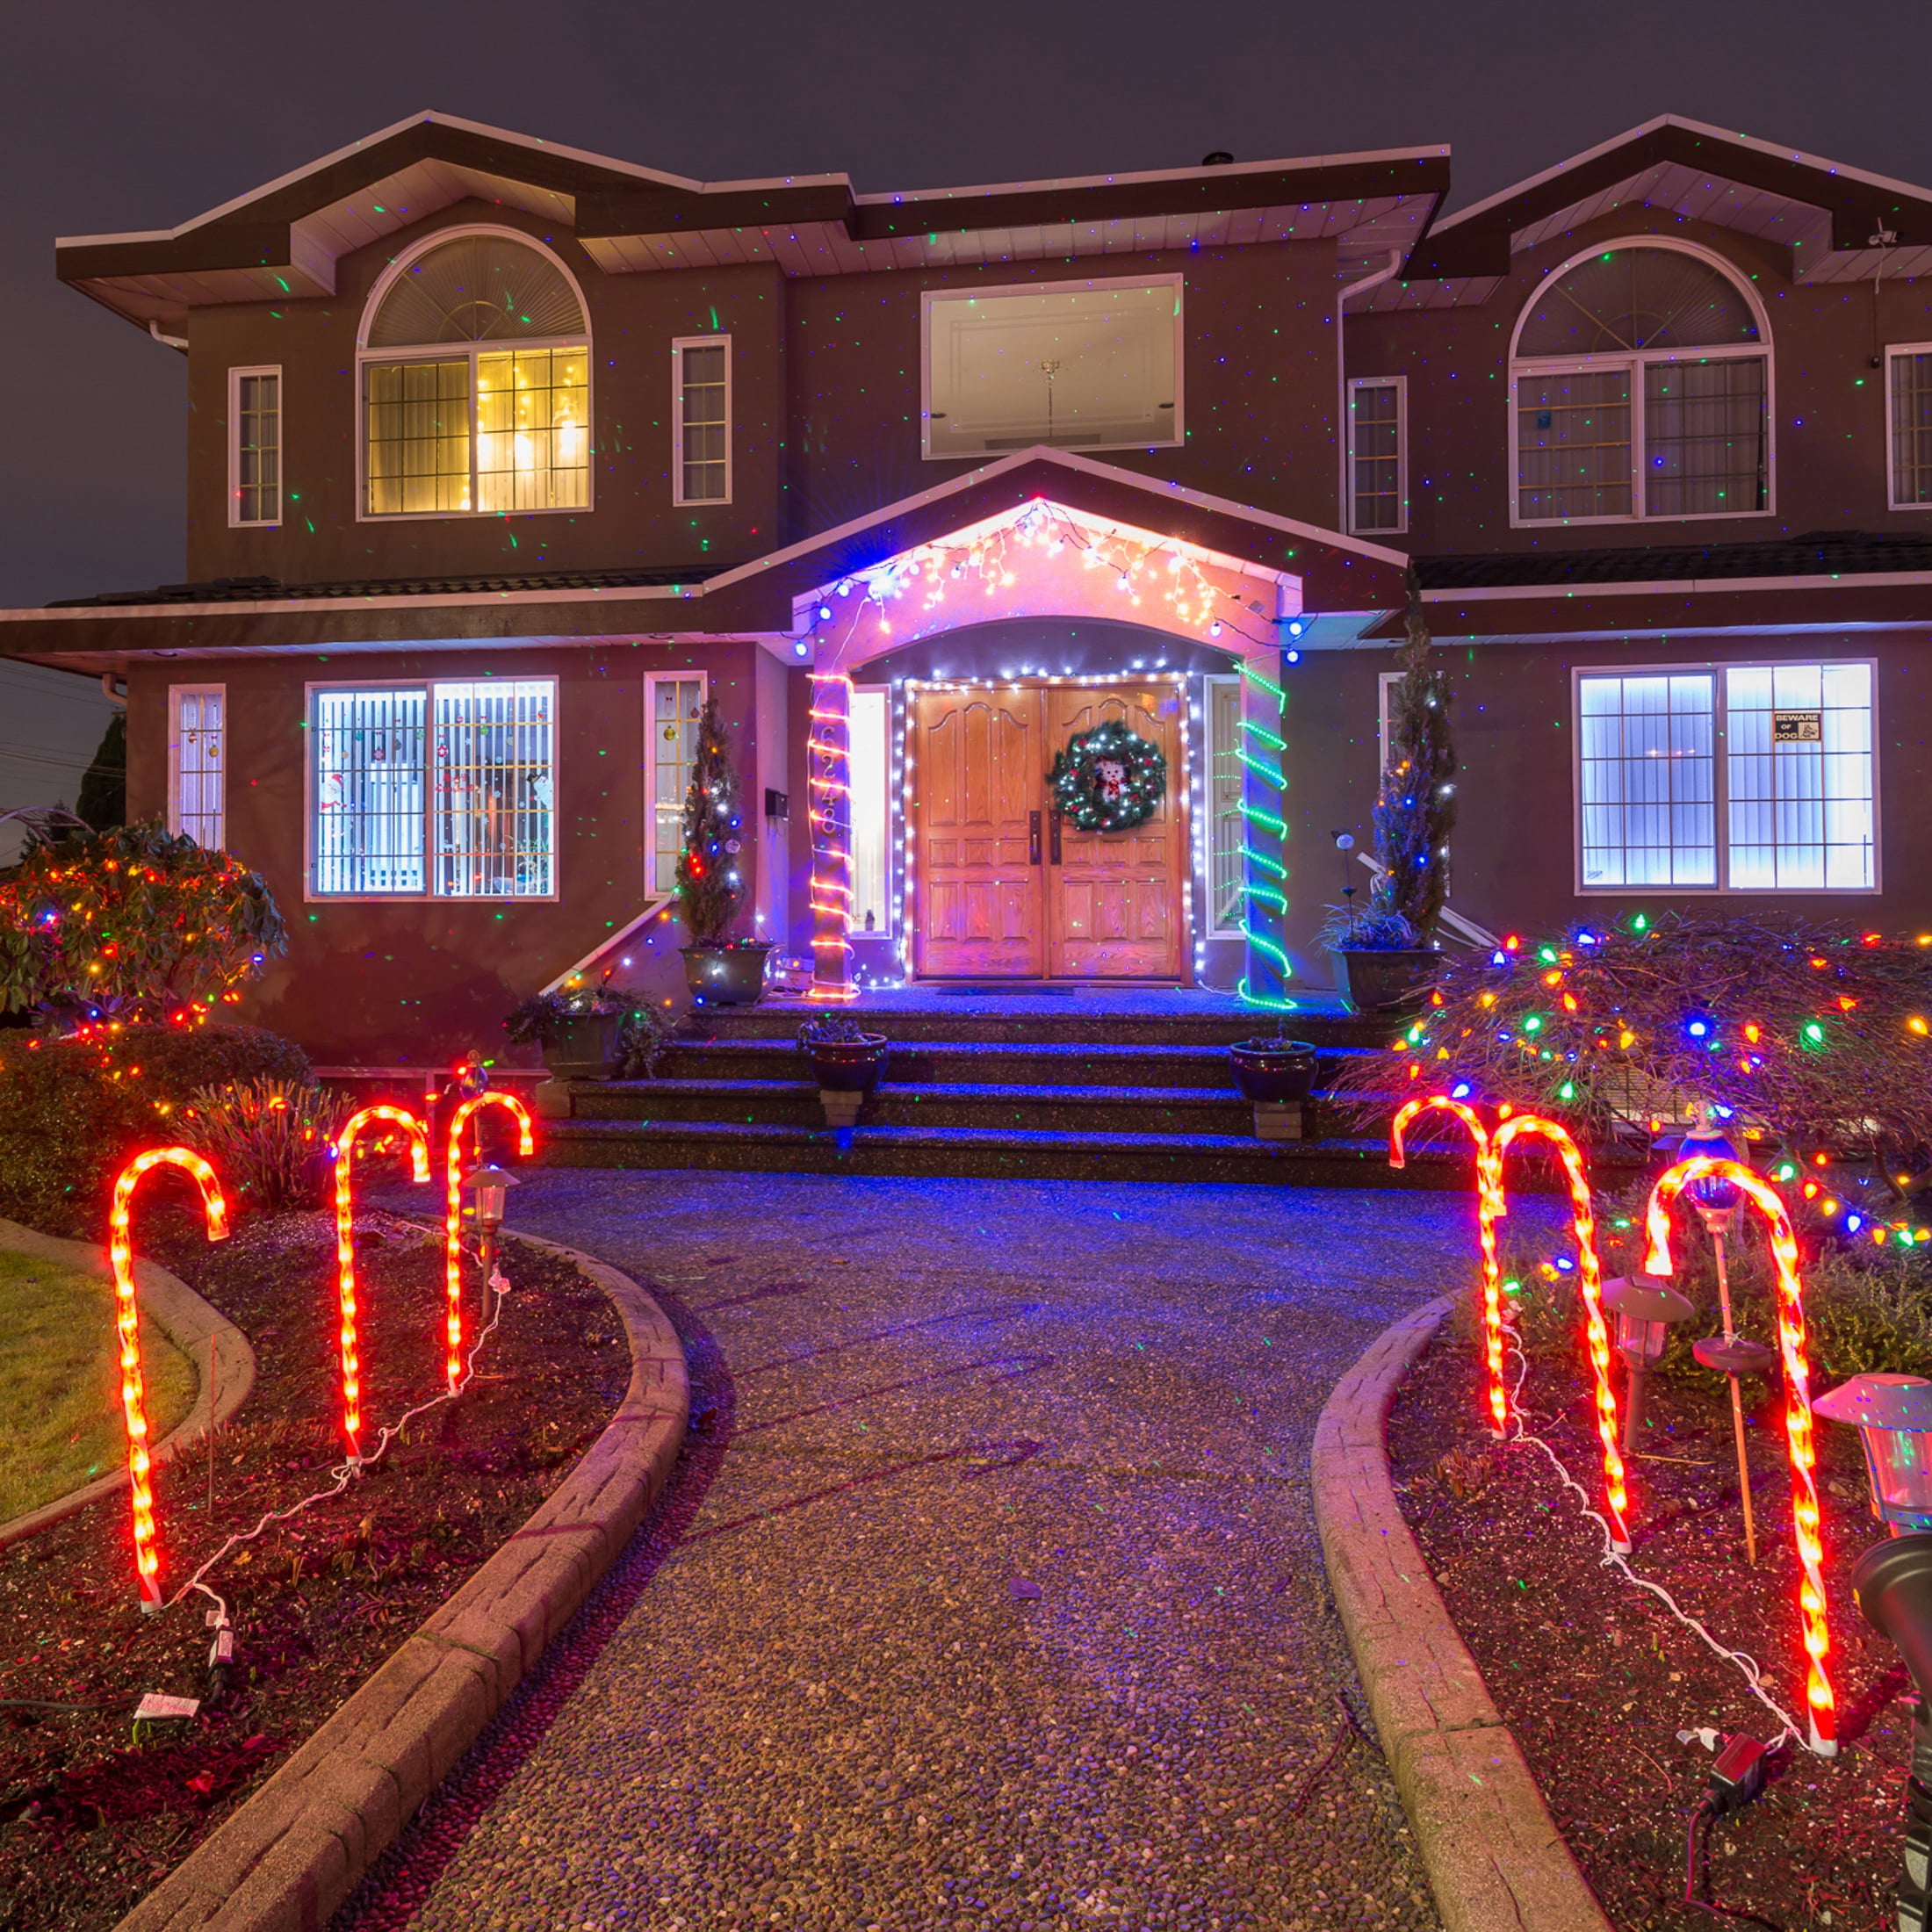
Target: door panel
<point x="976" y="766"/>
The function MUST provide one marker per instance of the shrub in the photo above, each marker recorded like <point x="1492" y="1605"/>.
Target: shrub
<point x="710" y="887"/>
<point x="73" y="1111"/>
<point x="269" y="1139"/>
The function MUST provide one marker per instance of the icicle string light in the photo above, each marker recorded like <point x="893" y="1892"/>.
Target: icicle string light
<point x="452" y="1224"/>
<point x="1798" y="1416"/>
<point x="1590" y="1278"/>
<point x="127" y="1320"/>
<point x="418" y="1137"/>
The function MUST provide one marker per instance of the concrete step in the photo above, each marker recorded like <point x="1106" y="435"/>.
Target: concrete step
<point x="1078" y="1018"/>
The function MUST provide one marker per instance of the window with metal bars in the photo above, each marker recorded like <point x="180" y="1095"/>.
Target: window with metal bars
<point x="255" y="446"/>
<point x="1908" y="384"/>
<point x="196" y="761"/>
<point x="445" y="789"/>
<point x="701" y="419"/>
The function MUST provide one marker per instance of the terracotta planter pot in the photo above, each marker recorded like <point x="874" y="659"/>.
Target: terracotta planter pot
<point x="1386" y="981"/>
<point x="585" y="1048"/>
<point x="726" y="976"/>
<point x="849" y="1066"/>
<point x="1274" y="1069"/>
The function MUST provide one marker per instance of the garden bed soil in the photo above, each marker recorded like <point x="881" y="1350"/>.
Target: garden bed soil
<point x="94" y="1812"/>
<point x="1597" y="1678"/>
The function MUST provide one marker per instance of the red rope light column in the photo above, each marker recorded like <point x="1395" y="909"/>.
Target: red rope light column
<point x="1590" y="1274"/>
<point x="452" y="1219"/>
<point x="1798" y="1415"/>
<point x="133" y="1392"/>
<point x="829" y="781"/>
<point x="345" y="1246"/>
<point x="1490" y="1208"/>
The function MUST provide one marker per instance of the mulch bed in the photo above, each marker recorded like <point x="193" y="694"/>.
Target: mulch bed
<point x="1595" y="1678"/>
<point x="92" y="1814"/>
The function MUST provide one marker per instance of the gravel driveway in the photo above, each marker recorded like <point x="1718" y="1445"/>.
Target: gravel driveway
<point x="987" y="1593"/>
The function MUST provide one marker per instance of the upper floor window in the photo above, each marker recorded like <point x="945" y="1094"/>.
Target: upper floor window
<point x="701" y="419"/>
<point x="475" y="372"/>
<point x="1078" y="365"/>
<point x="255" y="446"/>
<point x="197" y="737"/>
<point x="1378" y="495"/>
<point x="1908" y="399"/>
<point x="1642" y="388"/>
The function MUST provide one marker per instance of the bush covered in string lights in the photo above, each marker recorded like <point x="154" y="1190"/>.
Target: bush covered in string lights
<point x="710" y="882"/>
<point x="132" y="923"/>
<point x="74" y="1111"/>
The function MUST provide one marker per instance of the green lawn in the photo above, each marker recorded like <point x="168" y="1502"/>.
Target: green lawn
<point x="60" y="1382"/>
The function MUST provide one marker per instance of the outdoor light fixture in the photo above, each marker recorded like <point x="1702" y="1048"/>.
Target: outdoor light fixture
<point x="489" y="1188"/>
<point x="1647" y="1308"/>
<point x="1892" y="1415"/>
<point x="1893" y="1582"/>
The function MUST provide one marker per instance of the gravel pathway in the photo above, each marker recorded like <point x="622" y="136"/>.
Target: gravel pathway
<point x="988" y="1592"/>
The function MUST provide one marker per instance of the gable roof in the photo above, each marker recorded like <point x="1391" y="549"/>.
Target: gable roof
<point x="284" y="238"/>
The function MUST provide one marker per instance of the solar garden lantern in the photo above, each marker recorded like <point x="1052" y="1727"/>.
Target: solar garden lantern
<point x="1647" y="1308"/>
<point x="1892" y="1415"/>
<point x="1893" y="1582"/>
<point x="489" y="1189"/>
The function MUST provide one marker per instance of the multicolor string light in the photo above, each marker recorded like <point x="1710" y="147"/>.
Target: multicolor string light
<point x="452" y="1224"/>
<point x="134" y="1393"/>
<point x="418" y="1138"/>
<point x="1798" y="1416"/>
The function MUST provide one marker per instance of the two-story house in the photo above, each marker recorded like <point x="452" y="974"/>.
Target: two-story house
<point x="502" y="456"/>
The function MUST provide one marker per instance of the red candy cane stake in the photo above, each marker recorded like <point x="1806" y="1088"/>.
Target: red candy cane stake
<point x="134" y="1394"/>
<point x="453" y="1228"/>
<point x="1798" y="1415"/>
<point x="345" y="1246"/>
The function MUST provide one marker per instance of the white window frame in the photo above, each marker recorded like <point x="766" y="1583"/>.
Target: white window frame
<point x="656" y="887"/>
<point x="429" y="895"/>
<point x="1399" y="385"/>
<point x="1636" y="361"/>
<point x="176" y="693"/>
<point x="236" y="521"/>
<point x="931" y="297"/>
<point x="679" y="344"/>
<point x="1720" y="797"/>
<point x="415" y="352"/>
<point x="1891" y="352"/>
<point x="1212" y="682"/>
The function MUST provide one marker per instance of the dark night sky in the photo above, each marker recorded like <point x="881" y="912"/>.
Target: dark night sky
<point x="118" y="117"/>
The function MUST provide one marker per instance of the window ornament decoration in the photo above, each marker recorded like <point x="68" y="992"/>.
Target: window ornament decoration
<point x="1108" y="779"/>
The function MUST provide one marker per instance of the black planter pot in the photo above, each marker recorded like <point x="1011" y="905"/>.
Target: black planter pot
<point x="1274" y="1069"/>
<point x="584" y="1049"/>
<point x="726" y="976"/>
<point x="1386" y="981"/>
<point x="849" y="1066"/>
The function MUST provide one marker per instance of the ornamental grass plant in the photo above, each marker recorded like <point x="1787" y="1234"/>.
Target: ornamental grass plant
<point x="269" y="1139"/>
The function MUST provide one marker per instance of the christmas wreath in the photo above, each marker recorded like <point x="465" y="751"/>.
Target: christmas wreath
<point x="1108" y="780"/>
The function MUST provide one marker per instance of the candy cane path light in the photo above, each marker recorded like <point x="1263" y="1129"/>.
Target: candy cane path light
<point x="1490" y="1208"/>
<point x="1590" y="1278"/>
<point x="134" y="1394"/>
<point x="1892" y="1415"/>
<point x="1798" y="1416"/>
<point x="418" y="1136"/>
<point x="452" y="1224"/>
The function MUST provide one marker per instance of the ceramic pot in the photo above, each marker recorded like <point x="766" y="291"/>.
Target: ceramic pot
<point x="726" y="976"/>
<point x="1274" y="1069"/>
<point x="1386" y="981"/>
<point x="849" y="1066"/>
<point x="584" y="1049"/>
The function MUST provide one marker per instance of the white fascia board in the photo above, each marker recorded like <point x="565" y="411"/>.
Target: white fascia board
<point x="1696" y="587"/>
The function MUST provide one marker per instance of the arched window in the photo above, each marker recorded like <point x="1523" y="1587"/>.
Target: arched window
<point x="475" y="383"/>
<point x="1640" y="382"/>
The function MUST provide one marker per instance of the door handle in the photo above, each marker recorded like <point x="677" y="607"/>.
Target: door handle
<point x="1033" y="838"/>
<point x="1057" y="837"/>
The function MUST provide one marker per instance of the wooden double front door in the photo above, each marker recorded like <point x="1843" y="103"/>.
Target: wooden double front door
<point x="1002" y="887"/>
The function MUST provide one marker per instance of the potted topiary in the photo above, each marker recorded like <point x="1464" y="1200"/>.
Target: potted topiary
<point x="1387" y="957"/>
<point x="720" y="971"/>
<point x="846" y="1061"/>
<point x="580" y="1029"/>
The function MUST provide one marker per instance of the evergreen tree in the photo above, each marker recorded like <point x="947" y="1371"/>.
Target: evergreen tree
<point x="102" y="800"/>
<point x="710" y="884"/>
<point x="1416" y="808"/>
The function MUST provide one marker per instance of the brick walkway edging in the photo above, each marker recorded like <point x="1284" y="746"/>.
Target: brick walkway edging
<point x="1495" y="1861"/>
<point x="292" y="1854"/>
<point x="186" y="1320"/>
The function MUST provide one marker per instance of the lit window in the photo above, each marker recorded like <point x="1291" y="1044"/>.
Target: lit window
<point x="1225" y="877"/>
<point x="671" y="709"/>
<point x="1641" y="390"/>
<point x="500" y="425"/>
<point x="197" y="760"/>
<point x="701" y="419"/>
<point x="1377" y="428"/>
<point x="1908" y="383"/>
<point x="1754" y="778"/>
<point x="1077" y="366"/>
<point x="445" y="789"/>
<point x="255" y="446"/>
<point x="867" y="771"/>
